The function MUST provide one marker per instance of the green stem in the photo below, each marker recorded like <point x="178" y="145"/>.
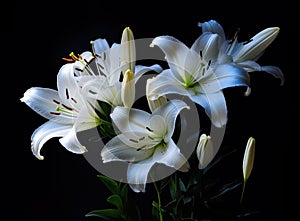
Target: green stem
<point x="243" y="190"/>
<point x="159" y="202"/>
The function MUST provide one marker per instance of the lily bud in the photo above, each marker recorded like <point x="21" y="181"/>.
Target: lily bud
<point x="205" y="151"/>
<point x="248" y="158"/>
<point x="128" y="89"/>
<point x="256" y="45"/>
<point x="128" y="53"/>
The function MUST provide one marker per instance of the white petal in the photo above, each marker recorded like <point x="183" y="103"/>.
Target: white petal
<point x="43" y="101"/>
<point x="169" y="113"/>
<point x="274" y="71"/>
<point x="230" y="75"/>
<point x="158" y="125"/>
<point x="214" y="105"/>
<point x="68" y="89"/>
<point x="140" y="70"/>
<point x="180" y="58"/>
<point x="71" y="142"/>
<point x="87" y="119"/>
<point x="207" y="43"/>
<point x="117" y="150"/>
<point x="137" y="174"/>
<point x="171" y="156"/>
<point x="100" y="45"/>
<point x="212" y="26"/>
<point x="45" y="132"/>
<point x="128" y="120"/>
<point x="163" y="84"/>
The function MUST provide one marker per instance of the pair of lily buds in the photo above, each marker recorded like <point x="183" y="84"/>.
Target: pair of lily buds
<point x="205" y="154"/>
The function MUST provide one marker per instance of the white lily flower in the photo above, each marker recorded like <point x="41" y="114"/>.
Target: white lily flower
<point x="99" y="72"/>
<point x="196" y="72"/>
<point x="205" y="151"/>
<point x="245" y="54"/>
<point x="66" y="110"/>
<point x="144" y="140"/>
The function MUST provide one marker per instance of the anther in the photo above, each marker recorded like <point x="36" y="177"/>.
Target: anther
<point x="67" y="107"/>
<point x="55" y="101"/>
<point x="55" y="113"/>
<point x="67" y="93"/>
<point x="132" y="140"/>
<point x="149" y="129"/>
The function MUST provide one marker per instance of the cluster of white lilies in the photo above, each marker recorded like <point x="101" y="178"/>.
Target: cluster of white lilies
<point x="109" y="74"/>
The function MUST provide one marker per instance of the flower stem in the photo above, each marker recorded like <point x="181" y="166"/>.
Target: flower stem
<point x="159" y="202"/>
<point x="243" y="190"/>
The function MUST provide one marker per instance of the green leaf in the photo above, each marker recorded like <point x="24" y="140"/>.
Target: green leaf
<point x="173" y="188"/>
<point x="106" y="109"/>
<point x="217" y="160"/>
<point x="116" y="201"/>
<point x="124" y="193"/>
<point x="107" y="214"/>
<point x="155" y="210"/>
<point x="111" y="184"/>
<point x="182" y="186"/>
<point x="226" y="188"/>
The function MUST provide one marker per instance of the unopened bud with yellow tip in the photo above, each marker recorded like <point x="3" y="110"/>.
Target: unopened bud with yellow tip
<point x="128" y="89"/>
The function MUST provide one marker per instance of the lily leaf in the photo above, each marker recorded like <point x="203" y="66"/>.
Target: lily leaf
<point x="226" y="188"/>
<point x="107" y="214"/>
<point x="116" y="201"/>
<point x="111" y="184"/>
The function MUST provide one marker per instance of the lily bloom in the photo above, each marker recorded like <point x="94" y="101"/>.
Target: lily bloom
<point x="245" y="54"/>
<point x="144" y="140"/>
<point x="66" y="109"/>
<point x="99" y="72"/>
<point x="198" y="73"/>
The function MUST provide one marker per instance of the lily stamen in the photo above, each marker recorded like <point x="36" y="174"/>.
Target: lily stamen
<point x="149" y="129"/>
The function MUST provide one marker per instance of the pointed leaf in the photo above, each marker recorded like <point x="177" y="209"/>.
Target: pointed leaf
<point x="116" y="201"/>
<point x="111" y="184"/>
<point x="107" y="214"/>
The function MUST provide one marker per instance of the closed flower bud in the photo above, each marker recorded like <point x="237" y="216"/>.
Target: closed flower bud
<point x="205" y="151"/>
<point x="248" y="158"/>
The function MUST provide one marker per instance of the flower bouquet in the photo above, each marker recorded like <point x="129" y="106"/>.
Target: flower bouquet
<point x="155" y="127"/>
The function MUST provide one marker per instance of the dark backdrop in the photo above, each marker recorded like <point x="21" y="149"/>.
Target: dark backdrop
<point x="64" y="186"/>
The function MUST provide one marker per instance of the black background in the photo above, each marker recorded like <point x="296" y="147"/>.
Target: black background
<point x="35" y="36"/>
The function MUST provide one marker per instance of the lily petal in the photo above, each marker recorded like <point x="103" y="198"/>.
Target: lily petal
<point x="212" y="26"/>
<point x="44" y="102"/>
<point x="67" y="87"/>
<point x="207" y="44"/>
<point x="214" y="105"/>
<point x="137" y="174"/>
<point x="165" y="83"/>
<point x="117" y="150"/>
<point x="176" y="54"/>
<point x="44" y="133"/>
<point x="128" y="120"/>
<point x="171" y="157"/>
<point x="169" y="113"/>
<point x="71" y="143"/>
